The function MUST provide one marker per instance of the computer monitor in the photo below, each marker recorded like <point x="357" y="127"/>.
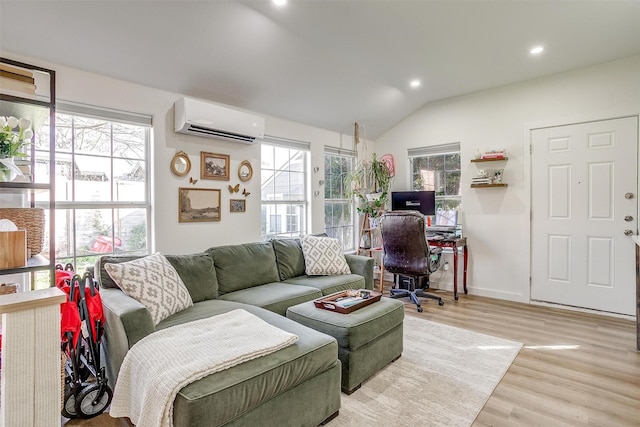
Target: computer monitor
<point x="421" y="201"/>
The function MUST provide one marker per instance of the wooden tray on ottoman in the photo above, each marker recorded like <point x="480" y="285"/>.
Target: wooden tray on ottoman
<point x="333" y="302"/>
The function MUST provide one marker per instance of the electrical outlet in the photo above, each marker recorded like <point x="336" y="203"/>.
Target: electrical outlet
<point x="446" y="265"/>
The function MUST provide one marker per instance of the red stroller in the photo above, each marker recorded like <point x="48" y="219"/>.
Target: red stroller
<point x="82" y="327"/>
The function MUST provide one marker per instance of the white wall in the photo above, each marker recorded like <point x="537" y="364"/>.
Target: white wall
<point x="496" y="221"/>
<point x="172" y="237"/>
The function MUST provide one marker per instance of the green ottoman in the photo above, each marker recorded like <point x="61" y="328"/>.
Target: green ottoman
<point x="368" y="338"/>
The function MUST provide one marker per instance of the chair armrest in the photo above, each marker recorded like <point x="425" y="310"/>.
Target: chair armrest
<point x="126" y="322"/>
<point x="363" y="266"/>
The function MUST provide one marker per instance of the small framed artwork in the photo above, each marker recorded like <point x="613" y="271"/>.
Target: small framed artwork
<point x="245" y="171"/>
<point x="497" y="176"/>
<point x="198" y="204"/>
<point x="214" y="166"/>
<point x="238" y="205"/>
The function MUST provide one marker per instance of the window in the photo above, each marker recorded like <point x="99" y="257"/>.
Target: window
<point x="437" y="168"/>
<point x="339" y="218"/>
<point x="102" y="187"/>
<point x="284" y="188"/>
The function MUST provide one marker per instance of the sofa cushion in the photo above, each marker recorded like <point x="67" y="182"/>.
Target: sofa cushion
<point x="154" y="283"/>
<point x="195" y="270"/>
<point x="289" y="257"/>
<point x="243" y="266"/>
<point x="329" y="284"/>
<point x="276" y="296"/>
<point x="198" y="274"/>
<point x="323" y="256"/>
<point x="225" y="395"/>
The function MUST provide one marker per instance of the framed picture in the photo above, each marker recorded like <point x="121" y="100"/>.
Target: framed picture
<point x="238" y="205"/>
<point x="497" y="176"/>
<point x="198" y="204"/>
<point x="245" y="171"/>
<point x="214" y="166"/>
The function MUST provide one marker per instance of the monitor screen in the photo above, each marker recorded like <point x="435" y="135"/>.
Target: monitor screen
<point x="421" y="201"/>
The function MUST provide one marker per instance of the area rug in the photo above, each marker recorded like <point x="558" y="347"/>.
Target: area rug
<point x="443" y="378"/>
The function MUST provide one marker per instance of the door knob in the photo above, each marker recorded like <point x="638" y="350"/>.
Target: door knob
<point x="628" y="218"/>
<point x="628" y="232"/>
<point x="628" y="195"/>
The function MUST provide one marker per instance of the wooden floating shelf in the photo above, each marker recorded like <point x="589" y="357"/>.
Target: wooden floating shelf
<point x="488" y="185"/>
<point x="489" y="160"/>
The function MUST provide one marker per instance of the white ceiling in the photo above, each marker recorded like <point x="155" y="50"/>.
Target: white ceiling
<point x="321" y="62"/>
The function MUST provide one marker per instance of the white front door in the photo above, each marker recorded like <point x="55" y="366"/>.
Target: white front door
<point x="584" y="197"/>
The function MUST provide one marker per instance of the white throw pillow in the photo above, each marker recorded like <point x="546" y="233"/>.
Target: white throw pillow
<point x="153" y="282"/>
<point x="323" y="256"/>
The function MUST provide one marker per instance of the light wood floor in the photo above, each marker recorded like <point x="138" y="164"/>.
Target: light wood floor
<point x="575" y="369"/>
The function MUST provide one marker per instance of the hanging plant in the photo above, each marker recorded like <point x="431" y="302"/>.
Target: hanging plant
<point x="370" y="182"/>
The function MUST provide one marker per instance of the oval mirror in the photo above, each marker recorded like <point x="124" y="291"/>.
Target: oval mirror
<point x="180" y="164"/>
<point x="245" y="171"/>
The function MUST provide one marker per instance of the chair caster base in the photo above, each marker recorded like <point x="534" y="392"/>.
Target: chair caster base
<point x="441" y="303"/>
<point x="419" y="309"/>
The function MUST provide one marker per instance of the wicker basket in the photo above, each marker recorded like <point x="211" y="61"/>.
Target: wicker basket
<point x="33" y="220"/>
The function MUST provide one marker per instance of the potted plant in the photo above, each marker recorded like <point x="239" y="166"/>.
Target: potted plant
<point x="11" y="144"/>
<point x="369" y="182"/>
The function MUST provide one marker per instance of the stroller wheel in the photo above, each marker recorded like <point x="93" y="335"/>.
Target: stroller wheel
<point x="69" y="407"/>
<point x="90" y="402"/>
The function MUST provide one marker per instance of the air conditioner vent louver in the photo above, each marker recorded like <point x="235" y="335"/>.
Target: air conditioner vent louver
<point x="215" y="121"/>
<point x="203" y="131"/>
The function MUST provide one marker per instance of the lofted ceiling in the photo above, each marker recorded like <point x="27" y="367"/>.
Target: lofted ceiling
<point x="326" y="63"/>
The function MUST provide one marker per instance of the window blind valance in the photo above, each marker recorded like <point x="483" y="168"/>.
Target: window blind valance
<point x="120" y="116"/>
<point x="339" y="151"/>
<point x="453" y="147"/>
<point x="287" y="143"/>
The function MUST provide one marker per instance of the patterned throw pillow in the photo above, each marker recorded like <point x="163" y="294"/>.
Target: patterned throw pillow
<point x="323" y="256"/>
<point x="153" y="282"/>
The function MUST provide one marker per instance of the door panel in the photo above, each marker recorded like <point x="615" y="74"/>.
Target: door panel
<point x="559" y="191"/>
<point x="579" y="253"/>
<point x="560" y="259"/>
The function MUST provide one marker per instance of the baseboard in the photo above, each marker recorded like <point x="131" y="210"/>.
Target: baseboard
<point x="583" y="310"/>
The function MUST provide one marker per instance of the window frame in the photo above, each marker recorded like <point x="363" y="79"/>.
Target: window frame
<point x="270" y="208"/>
<point x="350" y="155"/>
<point x="433" y="151"/>
<point x="112" y="117"/>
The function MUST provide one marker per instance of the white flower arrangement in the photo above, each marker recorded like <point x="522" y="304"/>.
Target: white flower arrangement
<point x="11" y="141"/>
<point x="11" y="144"/>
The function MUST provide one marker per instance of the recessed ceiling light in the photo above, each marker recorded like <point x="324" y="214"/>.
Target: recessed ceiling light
<point x="536" y="50"/>
<point x="279" y="2"/>
<point x="415" y="83"/>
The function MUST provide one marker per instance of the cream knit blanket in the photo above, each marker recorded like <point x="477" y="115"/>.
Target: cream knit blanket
<point x="161" y="364"/>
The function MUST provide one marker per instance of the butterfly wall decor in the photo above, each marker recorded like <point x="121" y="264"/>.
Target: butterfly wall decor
<point x="235" y="189"/>
<point x="193" y="181"/>
<point x="245" y="192"/>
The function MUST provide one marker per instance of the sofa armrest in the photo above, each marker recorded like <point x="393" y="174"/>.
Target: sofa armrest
<point x="363" y="266"/>
<point x="126" y="322"/>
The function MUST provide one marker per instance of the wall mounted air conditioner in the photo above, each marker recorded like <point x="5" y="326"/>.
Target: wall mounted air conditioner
<point x="201" y="118"/>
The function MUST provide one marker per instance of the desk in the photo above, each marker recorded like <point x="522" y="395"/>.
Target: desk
<point x="454" y="243"/>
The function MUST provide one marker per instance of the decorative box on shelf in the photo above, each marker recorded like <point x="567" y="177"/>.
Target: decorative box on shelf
<point x="13" y="249"/>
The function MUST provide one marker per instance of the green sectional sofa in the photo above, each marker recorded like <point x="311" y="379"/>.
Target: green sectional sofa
<point x="296" y="386"/>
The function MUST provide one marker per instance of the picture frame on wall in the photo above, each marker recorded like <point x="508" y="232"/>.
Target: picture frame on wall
<point x="245" y="171"/>
<point x="237" y="205"/>
<point x="199" y="204"/>
<point x="214" y="166"/>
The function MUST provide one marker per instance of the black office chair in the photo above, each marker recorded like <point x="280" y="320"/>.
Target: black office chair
<point x="407" y="253"/>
